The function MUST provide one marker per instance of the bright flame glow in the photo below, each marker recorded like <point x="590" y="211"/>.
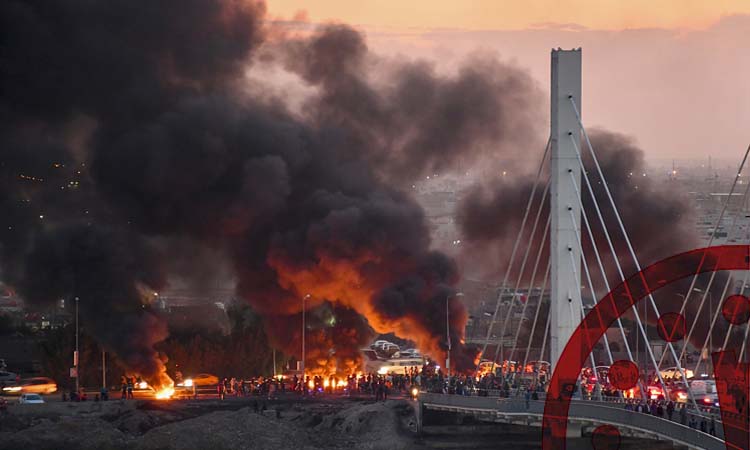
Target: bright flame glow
<point x="383" y="371"/>
<point x="142" y="385"/>
<point x="165" y="394"/>
<point x="414" y="392"/>
<point x="188" y="382"/>
<point x="341" y="383"/>
<point x="326" y="383"/>
<point x="310" y="384"/>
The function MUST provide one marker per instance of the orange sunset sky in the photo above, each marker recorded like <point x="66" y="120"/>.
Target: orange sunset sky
<point x="671" y="73"/>
<point x="504" y="14"/>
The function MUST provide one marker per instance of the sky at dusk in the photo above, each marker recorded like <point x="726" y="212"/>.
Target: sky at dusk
<point x="671" y="73"/>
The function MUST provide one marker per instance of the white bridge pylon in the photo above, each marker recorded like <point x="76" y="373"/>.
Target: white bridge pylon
<point x="565" y="287"/>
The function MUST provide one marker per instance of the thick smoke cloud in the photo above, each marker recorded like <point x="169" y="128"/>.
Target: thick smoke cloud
<point x="411" y="121"/>
<point x="74" y="72"/>
<point x="657" y="218"/>
<point x="129" y="128"/>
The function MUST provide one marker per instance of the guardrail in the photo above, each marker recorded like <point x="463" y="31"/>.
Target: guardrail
<point x="580" y="411"/>
<point x="701" y="411"/>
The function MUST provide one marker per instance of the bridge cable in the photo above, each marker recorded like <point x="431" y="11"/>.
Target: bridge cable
<point x="744" y="342"/>
<point x="577" y="278"/>
<point x="747" y="325"/>
<point x="521" y="272"/>
<point x="601" y="270"/>
<point x="614" y="256"/>
<point x="632" y="253"/>
<point x="513" y="253"/>
<point x="713" y="323"/>
<point x="536" y="317"/>
<point x="736" y="310"/>
<point x="707" y="289"/>
<point x="544" y="339"/>
<point x="710" y="330"/>
<point x="710" y="243"/>
<point x="594" y="297"/>
<point x="531" y="285"/>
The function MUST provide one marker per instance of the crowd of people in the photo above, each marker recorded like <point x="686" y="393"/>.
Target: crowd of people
<point x="659" y="408"/>
<point x="428" y="378"/>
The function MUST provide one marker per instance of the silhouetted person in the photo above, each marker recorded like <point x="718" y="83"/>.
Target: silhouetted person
<point x="683" y="415"/>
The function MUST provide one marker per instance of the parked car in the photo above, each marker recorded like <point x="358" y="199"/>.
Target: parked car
<point x="30" y="399"/>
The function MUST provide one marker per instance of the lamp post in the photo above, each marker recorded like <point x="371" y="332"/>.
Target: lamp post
<point x="75" y="356"/>
<point x="448" y="330"/>
<point x="303" y="336"/>
<point x="104" y="369"/>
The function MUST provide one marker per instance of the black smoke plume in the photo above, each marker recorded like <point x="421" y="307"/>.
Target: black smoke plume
<point x="128" y="128"/>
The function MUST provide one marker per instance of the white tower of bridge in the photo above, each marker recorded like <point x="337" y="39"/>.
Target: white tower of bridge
<point x="565" y="294"/>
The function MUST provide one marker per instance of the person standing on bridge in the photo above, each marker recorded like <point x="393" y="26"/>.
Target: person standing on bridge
<point x="683" y="415"/>
<point x="670" y="409"/>
<point x="528" y="398"/>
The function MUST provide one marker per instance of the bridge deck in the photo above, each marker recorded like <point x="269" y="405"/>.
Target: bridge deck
<point x="581" y="412"/>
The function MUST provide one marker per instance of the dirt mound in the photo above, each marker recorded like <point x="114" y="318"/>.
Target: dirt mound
<point x="225" y="430"/>
<point x="338" y="424"/>
<point x="376" y="425"/>
<point x="68" y="433"/>
<point x="139" y="422"/>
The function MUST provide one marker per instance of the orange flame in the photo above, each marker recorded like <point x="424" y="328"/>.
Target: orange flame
<point x="165" y="394"/>
<point x="164" y="386"/>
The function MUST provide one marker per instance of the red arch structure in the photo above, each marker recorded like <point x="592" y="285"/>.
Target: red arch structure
<point x="613" y="305"/>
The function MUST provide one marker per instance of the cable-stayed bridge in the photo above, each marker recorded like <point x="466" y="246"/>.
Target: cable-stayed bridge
<point x="572" y="240"/>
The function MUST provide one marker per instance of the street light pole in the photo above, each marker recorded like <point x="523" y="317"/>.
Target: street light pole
<point x="448" y="330"/>
<point x="303" y="336"/>
<point x="75" y="357"/>
<point x="710" y="331"/>
<point x="104" y="369"/>
<point x="448" y="334"/>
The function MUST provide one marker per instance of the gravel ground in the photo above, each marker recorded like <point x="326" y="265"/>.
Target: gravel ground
<point x="234" y="424"/>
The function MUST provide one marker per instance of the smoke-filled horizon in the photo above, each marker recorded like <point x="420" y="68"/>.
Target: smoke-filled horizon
<point x="142" y="143"/>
